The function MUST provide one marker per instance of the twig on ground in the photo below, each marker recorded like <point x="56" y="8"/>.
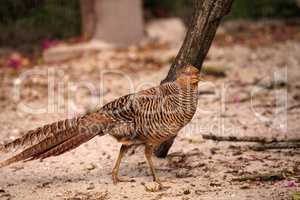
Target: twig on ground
<point x="263" y="143"/>
<point x="275" y="145"/>
<point x="262" y="177"/>
<point x="293" y="107"/>
<point x="248" y="139"/>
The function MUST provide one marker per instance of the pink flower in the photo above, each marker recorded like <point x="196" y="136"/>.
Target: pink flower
<point x="46" y="44"/>
<point x="15" y="61"/>
<point x="289" y="184"/>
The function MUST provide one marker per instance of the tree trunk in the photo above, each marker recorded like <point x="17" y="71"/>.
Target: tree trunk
<point x="88" y="18"/>
<point x="205" y="21"/>
<point x="119" y="22"/>
<point x="298" y="3"/>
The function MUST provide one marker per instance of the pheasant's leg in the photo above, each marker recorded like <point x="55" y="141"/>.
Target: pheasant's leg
<point x="148" y="154"/>
<point x="115" y="172"/>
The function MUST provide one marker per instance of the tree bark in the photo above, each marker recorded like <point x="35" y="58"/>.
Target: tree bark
<point x="202" y="29"/>
<point x="88" y="19"/>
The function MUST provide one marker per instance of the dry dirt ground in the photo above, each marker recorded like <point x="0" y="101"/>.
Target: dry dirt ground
<point x="196" y="168"/>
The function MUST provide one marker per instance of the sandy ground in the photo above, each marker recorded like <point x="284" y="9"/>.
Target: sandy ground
<point x="196" y="168"/>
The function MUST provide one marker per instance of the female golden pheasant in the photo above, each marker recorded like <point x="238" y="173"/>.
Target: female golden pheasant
<point x="147" y="118"/>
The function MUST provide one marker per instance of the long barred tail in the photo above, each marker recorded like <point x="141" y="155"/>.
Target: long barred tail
<point x="34" y="136"/>
<point x="56" y="138"/>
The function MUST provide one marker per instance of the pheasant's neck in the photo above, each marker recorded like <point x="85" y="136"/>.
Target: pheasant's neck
<point x="188" y="89"/>
<point x="186" y="100"/>
<point x="188" y="93"/>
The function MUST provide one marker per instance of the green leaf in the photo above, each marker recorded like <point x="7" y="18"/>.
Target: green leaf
<point x="296" y="196"/>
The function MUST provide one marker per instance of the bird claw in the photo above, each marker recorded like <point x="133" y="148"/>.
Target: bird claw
<point x="116" y="180"/>
<point x="153" y="187"/>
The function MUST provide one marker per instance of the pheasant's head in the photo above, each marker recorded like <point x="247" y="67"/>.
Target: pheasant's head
<point x="188" y="75"/>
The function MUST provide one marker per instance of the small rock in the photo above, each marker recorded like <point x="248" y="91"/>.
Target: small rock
<point x="296" y="97"/>
<point x="186" y="192"/>
<point x="197" y="164"/>
<point x="215" y="184"/>
<point x="59" y="195"/>
<point x="91" y="186"/>
<point x="214" y="150"/>
<point x="44" y="185"/>
<point x="90" y="167"/>
<point x="273" y="84"/>
<point x="245" y="186"/>
<point x="5" y="195"/>
<point x="183" y="173"/>
<point x="199" y="192"/>
<point x="237" y="153"/>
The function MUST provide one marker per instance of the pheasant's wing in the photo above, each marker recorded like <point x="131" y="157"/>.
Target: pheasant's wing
<point x="126" y="108"/>
<point x="121" y="109"/>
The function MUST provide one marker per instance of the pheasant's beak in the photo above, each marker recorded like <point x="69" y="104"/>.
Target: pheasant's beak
<point x="200" y="78"/>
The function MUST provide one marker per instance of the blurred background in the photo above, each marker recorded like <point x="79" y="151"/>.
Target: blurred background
<point x="60" y="58"/>
<point x="28" y="25"/>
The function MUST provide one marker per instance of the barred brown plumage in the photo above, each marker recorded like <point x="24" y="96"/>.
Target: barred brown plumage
<point x="147" y="118"/>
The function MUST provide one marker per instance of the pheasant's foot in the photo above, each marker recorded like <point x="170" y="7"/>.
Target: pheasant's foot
<point x="158" y="181"/>
<point x="117" y="179"/>
<point x="153" y="187"/>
